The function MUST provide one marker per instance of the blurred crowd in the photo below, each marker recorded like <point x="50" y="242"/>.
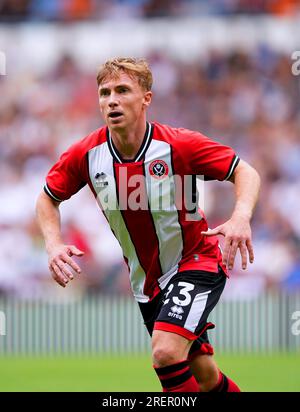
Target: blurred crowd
<point x="74" y="10"/>
<point x="248" y="101"/>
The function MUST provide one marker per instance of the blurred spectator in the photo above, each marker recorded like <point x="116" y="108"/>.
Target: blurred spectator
<point x="74" y="10"/>
<point x="14" y="10"/>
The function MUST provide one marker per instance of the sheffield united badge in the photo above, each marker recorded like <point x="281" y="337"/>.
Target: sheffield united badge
<point x="158" y="169"/>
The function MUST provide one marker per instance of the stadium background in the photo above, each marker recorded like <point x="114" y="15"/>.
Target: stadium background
<point x="223" y="67"/>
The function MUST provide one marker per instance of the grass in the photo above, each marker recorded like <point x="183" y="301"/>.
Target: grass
<point x="255" y="373"/>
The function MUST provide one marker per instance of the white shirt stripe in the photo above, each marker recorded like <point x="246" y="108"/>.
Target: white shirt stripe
<point x="100" y="160"/>
<point x="196" y="311"/>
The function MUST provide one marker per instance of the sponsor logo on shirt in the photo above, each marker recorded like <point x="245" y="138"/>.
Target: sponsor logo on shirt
<point x="100" y="180"/>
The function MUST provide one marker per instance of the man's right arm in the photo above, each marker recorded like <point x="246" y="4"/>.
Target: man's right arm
<point x="59" y="254"/>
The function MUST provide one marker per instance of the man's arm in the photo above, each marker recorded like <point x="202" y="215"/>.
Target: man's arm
<point x="237" y="230"/>
<point x="59" y="254"/>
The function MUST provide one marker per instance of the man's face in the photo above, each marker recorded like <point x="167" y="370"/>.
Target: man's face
<point x="122" y="101"/>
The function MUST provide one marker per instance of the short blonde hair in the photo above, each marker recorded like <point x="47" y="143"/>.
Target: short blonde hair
<point x="133" y="67"/>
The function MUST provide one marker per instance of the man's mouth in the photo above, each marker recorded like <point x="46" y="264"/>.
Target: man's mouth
<point x="115" y="115"/>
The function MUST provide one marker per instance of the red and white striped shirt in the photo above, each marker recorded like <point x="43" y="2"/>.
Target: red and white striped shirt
<point x="143" y="202"/>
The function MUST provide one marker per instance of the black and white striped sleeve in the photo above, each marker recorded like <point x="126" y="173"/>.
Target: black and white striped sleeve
<point x="51" y="194"/>
<point x="233" y="165"/>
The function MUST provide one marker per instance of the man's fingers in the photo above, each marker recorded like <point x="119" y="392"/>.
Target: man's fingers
<point x="226" y="250"/>
<point x="73" y="250"/>
<point x="58" y="275"/>
<point x="250" y="250"/>
<point x="212" y="232"/>
<point x="71" y="263"/>
<point x="232" y="253"/>
<point x="64" y="269"/>
<point x="60" y="263"/>
<point x="243" y="251"/>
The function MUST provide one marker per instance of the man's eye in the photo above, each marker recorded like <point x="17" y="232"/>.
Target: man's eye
<point x="123" y="90"/>
<point x="104" y="93"/>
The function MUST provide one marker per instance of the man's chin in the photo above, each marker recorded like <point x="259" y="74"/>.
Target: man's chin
<point x="116" y="124"/>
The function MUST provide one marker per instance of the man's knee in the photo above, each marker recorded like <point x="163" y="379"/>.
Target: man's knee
<point x="164" y="356"/>
<point x="168" y="348"/>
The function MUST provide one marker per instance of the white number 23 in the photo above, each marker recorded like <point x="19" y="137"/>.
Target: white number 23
<point x="186" y="288"/>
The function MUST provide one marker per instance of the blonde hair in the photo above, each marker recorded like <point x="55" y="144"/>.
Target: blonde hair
<point x="133" y="67"/>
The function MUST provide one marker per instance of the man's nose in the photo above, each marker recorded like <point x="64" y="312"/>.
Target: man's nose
<point x="113" y="101"/>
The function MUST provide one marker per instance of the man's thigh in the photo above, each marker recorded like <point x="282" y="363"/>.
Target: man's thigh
<point x="184" y="305"/>
<point x="188" y="300"/>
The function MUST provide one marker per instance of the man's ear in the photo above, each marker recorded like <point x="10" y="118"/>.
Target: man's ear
<point x="147" y="98"/>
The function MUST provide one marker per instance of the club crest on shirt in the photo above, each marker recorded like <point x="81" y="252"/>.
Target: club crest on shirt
<point x="158" y="169"/>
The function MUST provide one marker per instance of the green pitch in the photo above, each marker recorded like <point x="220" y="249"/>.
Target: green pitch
<point x="255" y="373"/>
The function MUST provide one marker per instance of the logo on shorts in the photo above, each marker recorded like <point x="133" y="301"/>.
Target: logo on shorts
<point x="158" y="169"/>
<point x="177" y="309"/>
<point x="176" y="312"/>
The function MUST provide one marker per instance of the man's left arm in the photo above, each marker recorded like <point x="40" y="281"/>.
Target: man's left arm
<point x="237" y="230"/>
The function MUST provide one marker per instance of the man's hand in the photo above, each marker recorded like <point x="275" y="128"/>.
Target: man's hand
<point x="237" y="233"/>
<point x="60" y="262"/>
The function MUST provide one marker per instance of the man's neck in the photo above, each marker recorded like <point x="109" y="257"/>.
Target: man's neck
<point x="128" y="142"/>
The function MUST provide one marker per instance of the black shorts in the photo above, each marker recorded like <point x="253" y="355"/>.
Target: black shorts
<point x="184" y="306"/>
